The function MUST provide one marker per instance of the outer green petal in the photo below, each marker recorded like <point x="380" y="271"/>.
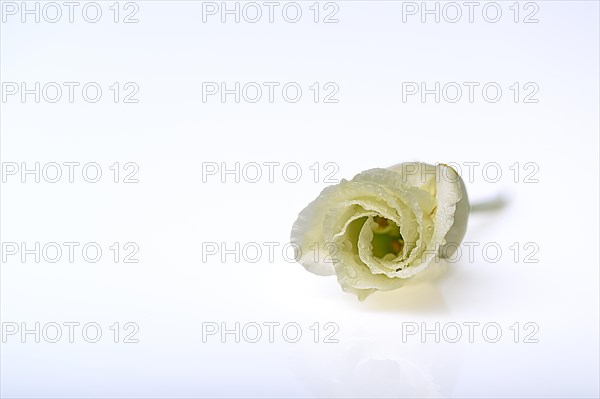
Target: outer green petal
<point x="451" y="215"/>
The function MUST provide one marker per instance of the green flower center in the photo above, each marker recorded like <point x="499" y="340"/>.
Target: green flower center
<point x="387" y="239"/>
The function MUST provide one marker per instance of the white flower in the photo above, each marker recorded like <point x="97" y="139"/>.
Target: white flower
<point x="384" y="226"/>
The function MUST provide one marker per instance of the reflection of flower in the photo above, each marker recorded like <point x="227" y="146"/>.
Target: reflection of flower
<point x="384" y="226"/>
<point x="372" y="370"/>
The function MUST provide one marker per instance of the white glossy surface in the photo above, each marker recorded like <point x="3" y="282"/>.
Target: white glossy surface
<point x="171" y="292"/>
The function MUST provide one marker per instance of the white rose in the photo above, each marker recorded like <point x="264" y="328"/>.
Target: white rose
<point x="384" y="226"/>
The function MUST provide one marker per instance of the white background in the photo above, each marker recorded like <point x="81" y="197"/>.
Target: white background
<point x="171" y="211"/>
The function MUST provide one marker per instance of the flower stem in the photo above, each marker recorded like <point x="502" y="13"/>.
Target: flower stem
<point x="493" y="204"/>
